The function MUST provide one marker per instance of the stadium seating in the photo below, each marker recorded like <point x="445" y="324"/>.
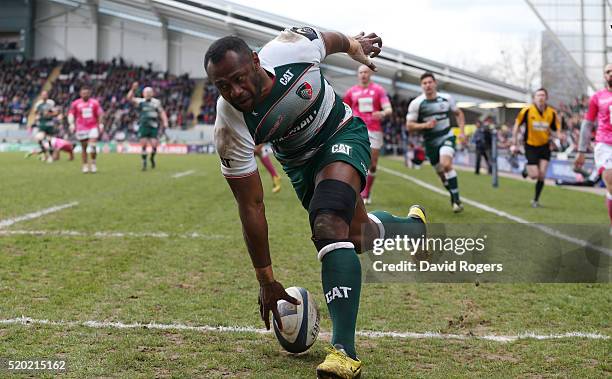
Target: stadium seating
<point x="20" y="82"/>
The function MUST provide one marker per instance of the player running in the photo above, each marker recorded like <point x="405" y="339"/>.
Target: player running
<point x="280" y="96"/>
<point x="45" y="124"/>
<point x="85" y="117"/>
<point x="369" y="102"/>
<point x="262" y="151"/>
<point x="600" y="107"/>
<point x="430" y="113"/>
<point x="538" y="118"/>
<point x="150" y="113"/>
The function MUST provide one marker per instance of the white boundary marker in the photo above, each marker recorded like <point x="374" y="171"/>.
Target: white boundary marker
<point x="249" y="329"/>
<point x="184" y="173"/>
<point x="30" y="216"/>
<point x="76" y="233"/>
<point x="500" y="213"/>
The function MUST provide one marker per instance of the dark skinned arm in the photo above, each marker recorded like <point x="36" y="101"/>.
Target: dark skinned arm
<point x="248" y="192"/>
<point x="361" y="47"/>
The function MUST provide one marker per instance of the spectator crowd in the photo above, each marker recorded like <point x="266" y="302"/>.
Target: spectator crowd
<point x="22" y="80"/>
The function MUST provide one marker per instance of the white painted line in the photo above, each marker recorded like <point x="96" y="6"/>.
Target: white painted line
<point x="30" y="216"/>
<point x="184" y="173"/>
<point x="500" y="213"/>
<point x="75" y="233"/>
<point x="249" y="329"/>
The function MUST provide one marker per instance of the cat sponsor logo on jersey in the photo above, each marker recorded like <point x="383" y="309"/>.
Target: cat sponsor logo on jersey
<point x="286" y="78"/>
<point x="341" y="148"/>
<point x="340" y="292"/>
<point x="305" y="91"/>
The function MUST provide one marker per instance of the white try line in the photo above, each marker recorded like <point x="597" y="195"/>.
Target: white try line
<point x="249" y="329"/>
<point x="76" y="233"/>
<point x="500" y="213"/>
<point x="30" y="216"/>
<point x="184" y="173"/>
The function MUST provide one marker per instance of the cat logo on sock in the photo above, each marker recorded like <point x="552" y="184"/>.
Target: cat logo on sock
<point x="340" y="292"/>
<point x="305" y="91"/>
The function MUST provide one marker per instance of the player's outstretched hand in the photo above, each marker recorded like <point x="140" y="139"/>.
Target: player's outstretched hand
<point x="369" y="47"/>
<point x="269" y="294"/>
<point x="135" y="86"/>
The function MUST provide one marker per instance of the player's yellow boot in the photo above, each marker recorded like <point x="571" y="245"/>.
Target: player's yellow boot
<point x="418" y="212"/>
<point x="277" y="184"/>
<point x="338" y="365"/>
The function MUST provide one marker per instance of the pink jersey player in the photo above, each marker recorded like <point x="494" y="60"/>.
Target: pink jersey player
<point x="600" y="107"/>
<point x="369" y="102"/>
<point x="365" y="101"/>
<point x="86" y="114"/>
<point x="61" y="144"/>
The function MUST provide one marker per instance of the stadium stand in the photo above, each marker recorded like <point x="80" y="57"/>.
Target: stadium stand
<point x="110" y="82"/>
<point x="20" y="82"/>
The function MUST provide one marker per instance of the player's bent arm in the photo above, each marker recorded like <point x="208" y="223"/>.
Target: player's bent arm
<point x="361" y="48"/>
<point x="460" y="119"/>
<point x="585" y="135"/>
<point x="416" y="126"/>
<point x="387" y="110"/>
<point x="164" y="118"/>
<point x="248" y="192"/>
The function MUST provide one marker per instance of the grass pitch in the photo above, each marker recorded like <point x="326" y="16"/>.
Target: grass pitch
<point x="206" y="279"/>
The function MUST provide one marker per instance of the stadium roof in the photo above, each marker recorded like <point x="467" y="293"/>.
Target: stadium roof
<point x="212" y="19"/>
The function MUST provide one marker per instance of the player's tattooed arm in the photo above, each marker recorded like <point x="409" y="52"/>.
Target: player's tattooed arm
<point x="361" y="47"/>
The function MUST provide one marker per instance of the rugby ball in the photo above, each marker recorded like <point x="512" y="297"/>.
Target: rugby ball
<point x="300" y="322"/>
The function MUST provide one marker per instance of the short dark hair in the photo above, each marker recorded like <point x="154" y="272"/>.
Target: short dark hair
<point x="217" y="50"/>
<point x="541" y="89"/>
<point x="427" y="74"/>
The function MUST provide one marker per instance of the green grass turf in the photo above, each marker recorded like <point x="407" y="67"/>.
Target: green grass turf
<point x="208" y="280"/>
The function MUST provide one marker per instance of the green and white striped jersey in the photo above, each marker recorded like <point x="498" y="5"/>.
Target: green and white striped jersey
<point x="42" y="107"/>
<point x="422" y="110"/>
<point x="299" y="115"/>
<point x="149" y="112"/>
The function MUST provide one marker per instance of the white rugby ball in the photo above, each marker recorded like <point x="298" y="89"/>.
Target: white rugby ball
<point x="300" y="322"/>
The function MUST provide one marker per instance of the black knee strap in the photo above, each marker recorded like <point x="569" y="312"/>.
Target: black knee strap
<point x="333" y="196"/>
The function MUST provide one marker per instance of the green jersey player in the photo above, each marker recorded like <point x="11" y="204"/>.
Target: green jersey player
<point x="430" y="113"/>
<point x="280" y="96"/>
<point x="150" y="112"/>
<point x="46" y="112"/>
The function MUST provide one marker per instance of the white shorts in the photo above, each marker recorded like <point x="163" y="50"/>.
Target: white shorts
<point x="376" y="139"/>
<point x="447" y="150"/>
<point x="87" y="134"/>
<point x="603" y="156"/>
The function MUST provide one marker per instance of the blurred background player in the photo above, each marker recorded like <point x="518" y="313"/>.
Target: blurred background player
<point x="430" y="113"/>
<point x="600" y="107"/>
<point x="262" y="151"/>
<point x="150" y="112"/>
<point x="84" y="117"/>
<point x="482" y="140"/>
<point x="45" y="124"/>
<point x="538" y="118"/>
<point x="57" y="145"/>
<point x="370" y="102"/>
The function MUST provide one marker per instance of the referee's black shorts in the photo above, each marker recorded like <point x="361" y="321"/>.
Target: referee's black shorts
<point x="536" y="153"/>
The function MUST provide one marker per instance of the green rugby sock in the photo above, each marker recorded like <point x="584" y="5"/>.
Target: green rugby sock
<point x="341" y="278"/>
<point x="453" y="185"/>
<point x="397" y="226"/>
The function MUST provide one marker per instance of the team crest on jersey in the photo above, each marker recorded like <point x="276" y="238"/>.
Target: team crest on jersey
<point x="305" y="91"/>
